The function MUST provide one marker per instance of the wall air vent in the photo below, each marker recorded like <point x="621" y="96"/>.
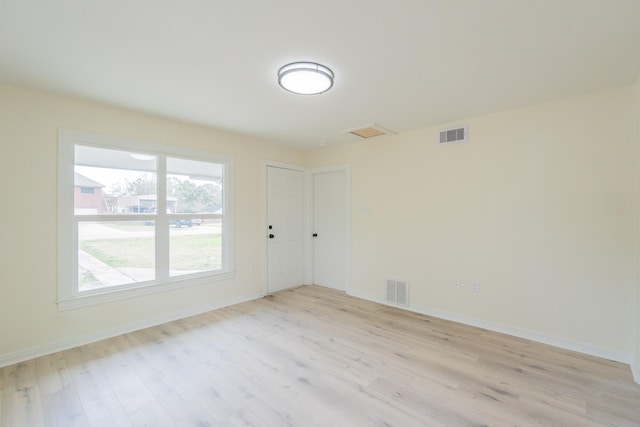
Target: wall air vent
<point x="397" y="292"/>
<point x="459" y="134"/>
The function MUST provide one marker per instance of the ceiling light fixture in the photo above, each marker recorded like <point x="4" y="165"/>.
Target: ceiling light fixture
<point x="305" y="78"/>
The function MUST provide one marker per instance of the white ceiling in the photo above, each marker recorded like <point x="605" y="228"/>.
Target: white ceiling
<point x="401" y="64"/>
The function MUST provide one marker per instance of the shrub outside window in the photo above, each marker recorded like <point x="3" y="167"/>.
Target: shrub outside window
<point x="155" y="218"/>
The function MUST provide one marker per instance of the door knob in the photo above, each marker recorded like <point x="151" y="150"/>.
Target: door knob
<point x="315" y="234"/>
<point x="271" y="236"/>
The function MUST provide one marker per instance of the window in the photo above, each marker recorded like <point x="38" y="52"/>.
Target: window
<point x="161" y="220"/>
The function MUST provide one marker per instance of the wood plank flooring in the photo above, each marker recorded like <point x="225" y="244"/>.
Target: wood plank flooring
<point x="316" y="357"/>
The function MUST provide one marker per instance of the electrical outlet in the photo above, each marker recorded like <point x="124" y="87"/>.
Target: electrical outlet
<point x="456" y="284"/>
<point x="475" y="286"/>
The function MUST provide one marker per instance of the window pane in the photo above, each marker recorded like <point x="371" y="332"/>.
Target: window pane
<point x="112" y="253"/>
<point x="113" y="182"/>
<point x="193" y="186"/>
<point x="194" y="248"/>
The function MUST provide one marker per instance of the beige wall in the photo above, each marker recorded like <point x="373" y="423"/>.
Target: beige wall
<point x="29" y="122"/>
<point x="538" y="207"/>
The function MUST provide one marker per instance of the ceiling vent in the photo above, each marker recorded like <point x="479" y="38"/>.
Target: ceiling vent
<point x="370" y="131"/>
<point x="459" y="134"/>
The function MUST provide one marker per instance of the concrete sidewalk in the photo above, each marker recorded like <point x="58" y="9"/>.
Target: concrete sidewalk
<point x="104" y="274"/>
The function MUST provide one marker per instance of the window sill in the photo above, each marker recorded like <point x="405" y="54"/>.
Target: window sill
<point x="115" y="294"/>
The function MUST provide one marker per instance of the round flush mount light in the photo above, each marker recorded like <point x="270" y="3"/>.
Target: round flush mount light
<point x="305" y="78"/>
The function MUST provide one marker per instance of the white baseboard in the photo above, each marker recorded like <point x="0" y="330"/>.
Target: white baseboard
<point x="589" y="349"/>
<point x="65" y="344"/>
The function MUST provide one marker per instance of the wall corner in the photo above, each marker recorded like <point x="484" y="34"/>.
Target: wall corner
<point x="635" y="361"/>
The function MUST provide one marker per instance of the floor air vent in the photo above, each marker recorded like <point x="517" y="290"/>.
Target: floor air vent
<point x="397" y="291"/>
<point x="459" y="134"/>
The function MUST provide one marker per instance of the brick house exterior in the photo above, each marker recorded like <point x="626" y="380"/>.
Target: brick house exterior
<point x="87" y="196"/>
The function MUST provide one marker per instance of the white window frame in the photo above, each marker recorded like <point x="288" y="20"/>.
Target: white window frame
<point x="69" y="297"/>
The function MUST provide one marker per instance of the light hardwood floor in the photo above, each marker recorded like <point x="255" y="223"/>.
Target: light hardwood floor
<point x="316" y="357"/>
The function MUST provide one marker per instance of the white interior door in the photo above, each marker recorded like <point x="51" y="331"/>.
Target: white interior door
<point x="330" y="230"/>
<point x="285" y="228"/>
